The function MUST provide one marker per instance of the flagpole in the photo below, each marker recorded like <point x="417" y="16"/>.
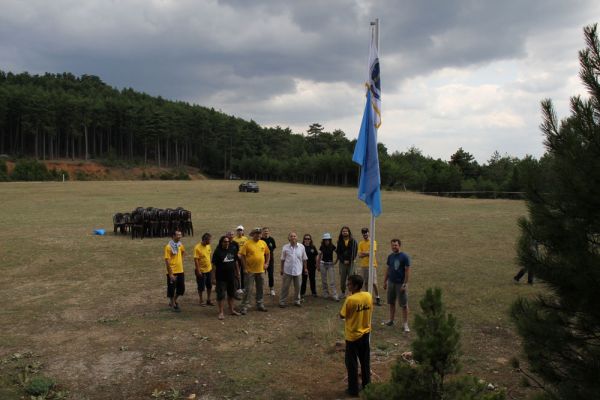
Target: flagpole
<point x="375" y="32"/>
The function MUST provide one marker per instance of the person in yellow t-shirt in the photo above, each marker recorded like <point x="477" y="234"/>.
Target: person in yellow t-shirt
<point x="254" y="257"/>
<point x="240" y="240"/>
<point x="364" y="246"/>
<point x="357" y="312"/>
<point x="202" y="261"/>
<point x="173" y="256"/>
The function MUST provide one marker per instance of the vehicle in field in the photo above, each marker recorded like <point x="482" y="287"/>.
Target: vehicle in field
<point x="250" y="186"/>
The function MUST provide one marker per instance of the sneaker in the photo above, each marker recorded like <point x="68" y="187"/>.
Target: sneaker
<point x="388" y="323"/>
<point x="244" y="311"/>
<point x="343" y="295"/>
<point x="378" y="301"/>
<point x="176" y="308"/>
<point x="405" y="327"/>
<point x="272" y="292"/>
<point x="240" y="292"/>
<point x="261" y="308"/>
<point x="298" y="304"/>
<point x="335" y="298"/>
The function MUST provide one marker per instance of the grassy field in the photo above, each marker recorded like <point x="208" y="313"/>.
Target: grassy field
<point x="90" y="312"/>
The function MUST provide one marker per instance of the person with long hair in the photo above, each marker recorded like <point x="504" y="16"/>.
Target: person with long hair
<point x="346" y="250"/>
<point x="227" y="270"/>
<point x="311" y="263"/>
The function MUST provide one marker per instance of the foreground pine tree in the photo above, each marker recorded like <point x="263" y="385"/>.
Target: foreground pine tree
<point x="561" y="328"/>
<point x="436" y="351"/>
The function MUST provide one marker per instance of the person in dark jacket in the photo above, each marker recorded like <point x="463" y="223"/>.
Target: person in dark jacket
<point x="346" y="250"/>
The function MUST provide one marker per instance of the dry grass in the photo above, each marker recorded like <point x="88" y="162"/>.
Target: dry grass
<point x="93" y="308"/>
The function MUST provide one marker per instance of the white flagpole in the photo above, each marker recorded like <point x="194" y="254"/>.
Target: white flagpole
<point x="375" y="32"/>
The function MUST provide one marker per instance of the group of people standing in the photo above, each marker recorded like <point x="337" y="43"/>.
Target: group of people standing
<point x="238" y="264"/>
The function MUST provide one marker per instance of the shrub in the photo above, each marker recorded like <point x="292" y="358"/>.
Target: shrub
<point x="436" y="350"/>
<point x="30" y="170"/>
<point x="39" y="385"/>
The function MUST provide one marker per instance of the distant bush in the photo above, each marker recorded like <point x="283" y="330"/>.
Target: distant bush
<point x="3" y="171"/>
<point x="177" y="175"/>
<point x="82" y="176"/>
<point x="30" y="170"/>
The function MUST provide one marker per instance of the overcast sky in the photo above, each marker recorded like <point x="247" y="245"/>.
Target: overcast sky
<point x="455" y="73"/>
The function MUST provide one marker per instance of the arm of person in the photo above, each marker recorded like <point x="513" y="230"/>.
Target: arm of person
<point x="197" y="265"/>
<point x="267" y="259"/>
<point x="305" y="267"/>
<point x="282" y="263"/>
<point x="406" y="276"/>
<point x="169" y="271"/>
<point x="385" y="278"/>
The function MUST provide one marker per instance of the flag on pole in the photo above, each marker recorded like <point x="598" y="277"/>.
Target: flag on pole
<point x="365" y="151"/>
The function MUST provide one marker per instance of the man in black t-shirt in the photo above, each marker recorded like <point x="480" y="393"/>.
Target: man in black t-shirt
<point x="266" y="237"/>
<point x="227" y="271"/>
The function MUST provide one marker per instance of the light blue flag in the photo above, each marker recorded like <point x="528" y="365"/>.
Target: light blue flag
<point x="365" y="155"/>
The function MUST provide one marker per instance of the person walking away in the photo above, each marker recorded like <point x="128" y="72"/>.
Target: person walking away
<point x="396" y="283"/>
<point x="254" y="257"/>
<point x="364" y="246"/>
<point x="173" y="256"/>
<point x="346" y="252"/>
<point x="226" y="262"/>
<point x="522" y="271"/>
<point x="293" y="265"/>
<point x="357" y="312"/>
<point x="266" y="237"/>
<point x="311" y="264"/>
<point x="326" y="265"/>
<point x="203" y="264"/>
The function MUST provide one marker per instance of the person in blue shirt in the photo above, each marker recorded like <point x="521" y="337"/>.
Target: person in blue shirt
<point x="396" y="283"/>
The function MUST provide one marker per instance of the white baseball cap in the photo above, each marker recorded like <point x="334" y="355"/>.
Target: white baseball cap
<point x="239" y="228"/>
<point x="327" y="236"/>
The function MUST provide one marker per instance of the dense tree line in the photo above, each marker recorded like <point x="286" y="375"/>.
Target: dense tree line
<point x="55" y="116"/>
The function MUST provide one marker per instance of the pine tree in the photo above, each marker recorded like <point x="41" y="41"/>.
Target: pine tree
<point x="560" y="244"/>
<point x="436" y="351"/>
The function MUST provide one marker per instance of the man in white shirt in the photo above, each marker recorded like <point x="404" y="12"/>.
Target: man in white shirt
<point x="293" y="265"/>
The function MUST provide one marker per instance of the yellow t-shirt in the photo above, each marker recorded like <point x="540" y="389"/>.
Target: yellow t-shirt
<point x="255" y="255"/>
<point x="364" y="246"/>
<point x="175" y="260"/>
<point x="203" y="254"/>
<point x="357" y="311"/>
<point x="241" y="241"/>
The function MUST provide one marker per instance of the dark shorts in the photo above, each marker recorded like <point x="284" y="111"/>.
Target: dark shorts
<point x="204" y="282"/>
<point x="225" y="287"/>
<point x="176" y="287"/>
<point x="394" y="292"/>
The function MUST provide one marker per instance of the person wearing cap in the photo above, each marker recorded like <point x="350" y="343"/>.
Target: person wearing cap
<point x="364" y="247"/>
<point x="326" y="265"/>
<point x="240" y="240"/>
<point x="293" y="265"/>
<point x="346" y="250"/>
<point x="254" y="257"/>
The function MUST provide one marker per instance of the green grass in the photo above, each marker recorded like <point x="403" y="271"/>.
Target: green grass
<point x="93" y="307"/>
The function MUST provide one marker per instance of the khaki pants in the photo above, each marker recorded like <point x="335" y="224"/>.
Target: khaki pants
<point x="285" y="288"/>
<point x="328" y="279"/>
<point x="251" y="280"/>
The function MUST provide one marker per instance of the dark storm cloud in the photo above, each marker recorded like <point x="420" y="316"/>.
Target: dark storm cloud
<point x="188" y="49"/>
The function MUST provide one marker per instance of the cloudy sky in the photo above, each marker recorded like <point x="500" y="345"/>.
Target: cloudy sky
<point x="455" y="73"/>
